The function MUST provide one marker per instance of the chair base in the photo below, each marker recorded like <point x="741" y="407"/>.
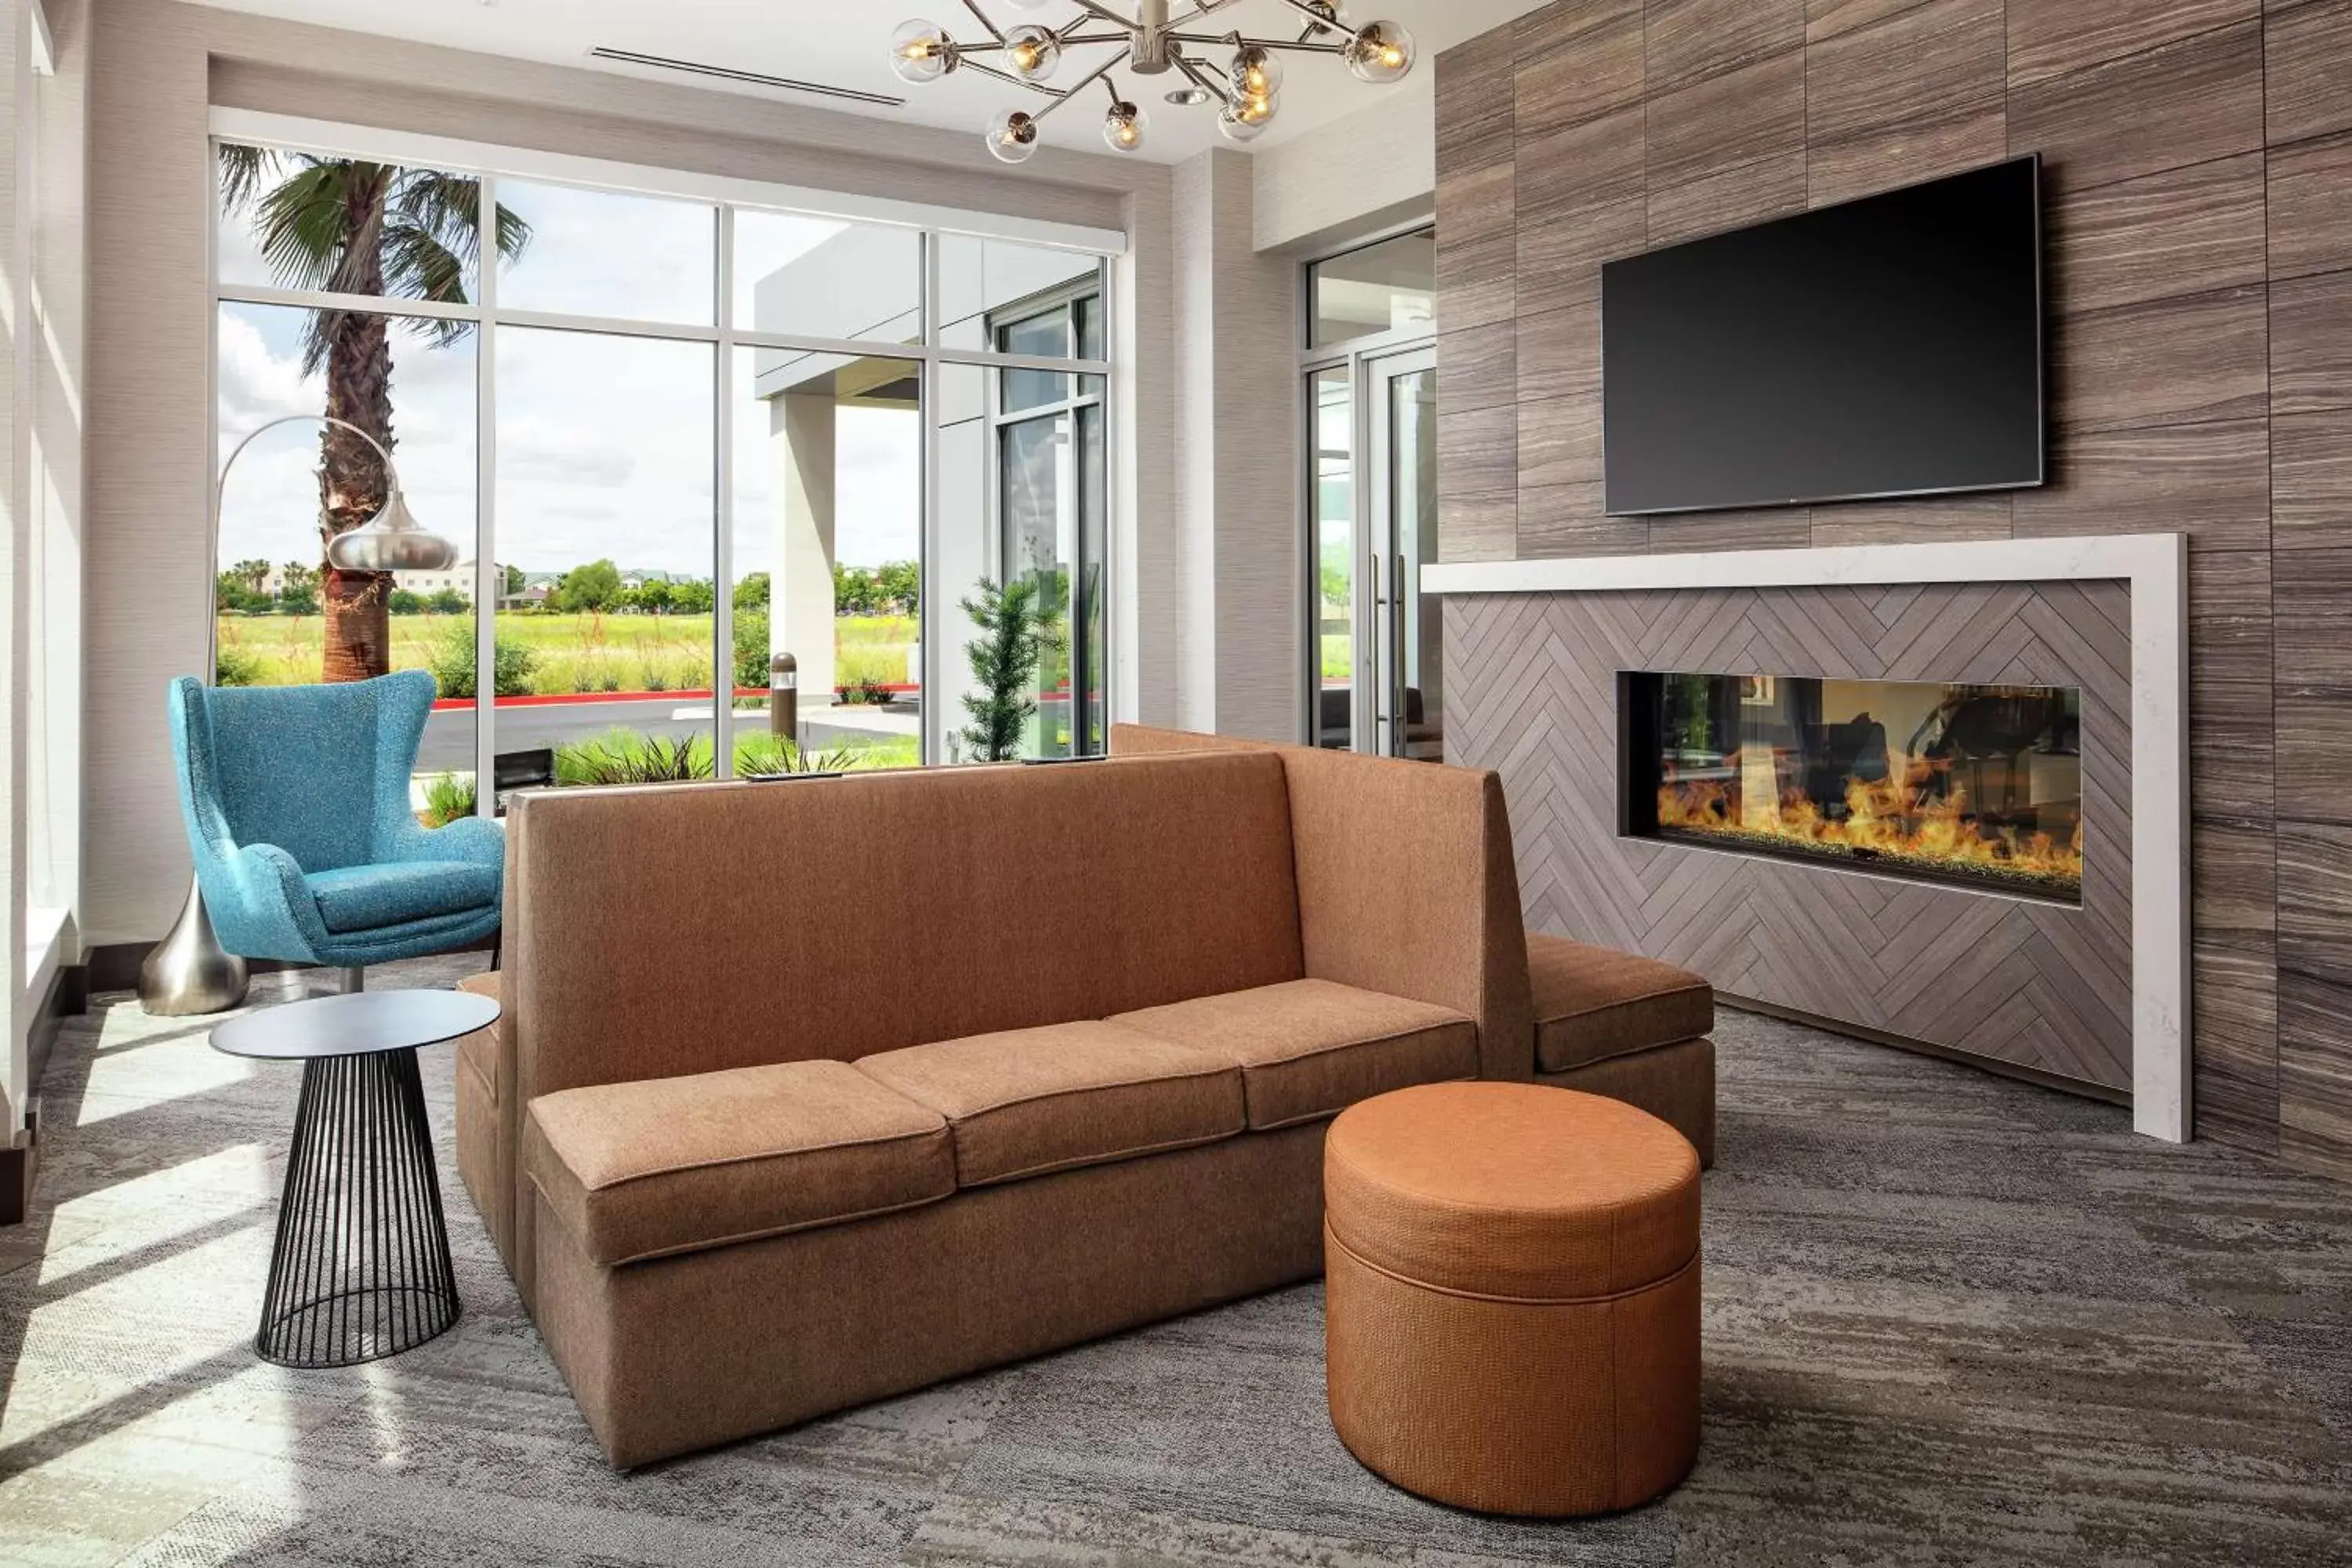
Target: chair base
<point x="189" y="973"/>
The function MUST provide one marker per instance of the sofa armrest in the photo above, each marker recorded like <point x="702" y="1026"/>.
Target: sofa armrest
<point x="1407" y="885"/>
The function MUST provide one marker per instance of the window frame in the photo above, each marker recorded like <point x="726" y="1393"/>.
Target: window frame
<point x="727" y="196"/>
<point x="1073" y="405"/>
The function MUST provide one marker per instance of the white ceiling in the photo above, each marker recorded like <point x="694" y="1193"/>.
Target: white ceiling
<point x="845" y="43"/>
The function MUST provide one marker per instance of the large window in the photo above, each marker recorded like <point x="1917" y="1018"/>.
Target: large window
<point x="675" y="441"/>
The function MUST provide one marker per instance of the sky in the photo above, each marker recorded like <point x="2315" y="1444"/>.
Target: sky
<point x="605" y="442"/>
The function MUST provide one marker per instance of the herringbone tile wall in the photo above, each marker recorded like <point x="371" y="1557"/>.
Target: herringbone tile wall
<point x="1531" y="691"/>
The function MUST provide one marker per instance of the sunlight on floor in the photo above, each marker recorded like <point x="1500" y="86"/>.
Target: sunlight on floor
<point x="149" y="1211"/>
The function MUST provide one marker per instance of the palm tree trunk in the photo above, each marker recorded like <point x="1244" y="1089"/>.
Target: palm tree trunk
<point x="352" y="484"/>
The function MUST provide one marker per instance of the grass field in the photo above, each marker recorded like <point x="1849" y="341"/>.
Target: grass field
<point x="568" y="653"/>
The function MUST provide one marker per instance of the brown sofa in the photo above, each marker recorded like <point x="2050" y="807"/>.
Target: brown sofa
<point x="811" y="1092"/>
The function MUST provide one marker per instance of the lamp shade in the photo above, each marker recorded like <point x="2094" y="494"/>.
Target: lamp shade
<point x="391" y="541"/>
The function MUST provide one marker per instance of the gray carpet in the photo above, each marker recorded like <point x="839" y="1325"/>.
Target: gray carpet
<point x="1949" y="1319"/>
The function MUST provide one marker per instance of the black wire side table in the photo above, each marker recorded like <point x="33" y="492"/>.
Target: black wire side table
<point x="361" y="1268"/>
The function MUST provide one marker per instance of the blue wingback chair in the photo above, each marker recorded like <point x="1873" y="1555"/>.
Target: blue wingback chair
<point x="296" y="799"/>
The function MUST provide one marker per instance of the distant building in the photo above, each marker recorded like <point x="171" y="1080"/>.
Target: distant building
<point x="424" y="585"/>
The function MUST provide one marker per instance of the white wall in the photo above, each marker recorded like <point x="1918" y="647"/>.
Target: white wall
<point x="1237" y="462"/>
<point x="1369" y="170"/>
<point x="41" y="277"/>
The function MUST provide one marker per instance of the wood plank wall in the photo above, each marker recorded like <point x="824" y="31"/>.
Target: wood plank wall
<point x="2199" y="158"/>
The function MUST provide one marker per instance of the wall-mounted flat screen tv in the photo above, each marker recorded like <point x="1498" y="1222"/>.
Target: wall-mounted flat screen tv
<point x="1887" y="346"/>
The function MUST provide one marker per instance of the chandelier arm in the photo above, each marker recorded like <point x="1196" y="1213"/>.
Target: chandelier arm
<point x="1200" y="81"/>
<point x="1107" y="14"/>
<point x="982" y="18"/>
<point x="1117" y="99"/>
<point x="1065" y="94"/>
<point x="1301" y="46"/>
<point x="1053" y="92"/>
<point x="1084" y="38"/>
<point x="1322" y="22"/>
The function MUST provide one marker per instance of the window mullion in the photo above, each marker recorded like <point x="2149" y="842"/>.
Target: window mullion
<point x="488" y="579"/>
<point x="722" y="557"/>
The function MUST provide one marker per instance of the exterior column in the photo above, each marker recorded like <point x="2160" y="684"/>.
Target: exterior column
<point x="801" y="594"/>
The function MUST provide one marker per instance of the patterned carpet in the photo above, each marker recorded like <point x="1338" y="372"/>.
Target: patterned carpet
<point x="1949" y="1319"/>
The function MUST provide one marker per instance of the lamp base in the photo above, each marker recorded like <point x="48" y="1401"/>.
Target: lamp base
<point x="190" y="972"/>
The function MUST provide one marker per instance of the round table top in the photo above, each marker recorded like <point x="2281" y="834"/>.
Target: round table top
<point x="360" y="1024"/>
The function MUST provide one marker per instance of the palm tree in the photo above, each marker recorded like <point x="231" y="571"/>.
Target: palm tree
<point x="345" y="226"/>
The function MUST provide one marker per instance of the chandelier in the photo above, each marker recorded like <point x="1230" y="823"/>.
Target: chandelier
<point x="1245" y="83"/>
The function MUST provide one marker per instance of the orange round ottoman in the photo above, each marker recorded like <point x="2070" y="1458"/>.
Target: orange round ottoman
<point x="1512" y="1306"/>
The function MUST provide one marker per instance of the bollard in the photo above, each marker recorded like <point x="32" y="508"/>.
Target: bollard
<point x="784" y="696"/>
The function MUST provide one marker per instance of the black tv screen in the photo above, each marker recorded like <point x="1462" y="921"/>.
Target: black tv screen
<point x="1886" y="346"/>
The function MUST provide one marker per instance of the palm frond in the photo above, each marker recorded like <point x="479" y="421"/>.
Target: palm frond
<point x="242" y="172"/>
<point x="304" y="226"/>
<point x="514" y="232"/>
<point x="418" y="266"/>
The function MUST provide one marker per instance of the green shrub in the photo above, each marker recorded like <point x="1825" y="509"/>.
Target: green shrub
<point x="234" y="667"/>
<point x="451" y="661"/>
<point x="752" y="648"/>
<point x="864" y="667"/>
<point x="446" y="798"/>
<point x="1016" y="632"/>
<point x="773" y="756"/>
<point x="625" y="757"/>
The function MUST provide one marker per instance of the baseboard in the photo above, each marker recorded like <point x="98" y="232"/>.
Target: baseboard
<point x="19" y="1165"/>
<point x="2034" y="1075"/>
<point x="114" y="966"/>
<point x="67" y="997"/>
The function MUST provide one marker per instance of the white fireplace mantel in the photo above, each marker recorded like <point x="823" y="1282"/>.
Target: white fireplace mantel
<point x="2156" y="565"/>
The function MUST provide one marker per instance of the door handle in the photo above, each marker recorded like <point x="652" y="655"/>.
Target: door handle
<point x="1396" y="652"/>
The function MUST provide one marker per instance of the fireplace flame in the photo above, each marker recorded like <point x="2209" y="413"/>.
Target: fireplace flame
<point x="1919" y="818"/>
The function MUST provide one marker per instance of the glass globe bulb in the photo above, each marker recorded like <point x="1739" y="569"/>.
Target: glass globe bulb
<point x="1012" y="136"/>
<point x="1380" y="51"/>
<point x="921" y="51"/>
<point x="1032" y="53"/>
<point x="1254" y="107"/>
<point x="1233" y="128"/>
<point x="1124" y="128"/>
<point x="1257" y="73"/>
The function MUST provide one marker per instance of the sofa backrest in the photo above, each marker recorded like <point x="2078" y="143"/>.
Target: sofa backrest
<point x="1407" y="881"/>
<point x="681" y="929"/>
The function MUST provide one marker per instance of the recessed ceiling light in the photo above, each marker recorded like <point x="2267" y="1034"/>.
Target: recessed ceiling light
<point x="1189" y="96"/>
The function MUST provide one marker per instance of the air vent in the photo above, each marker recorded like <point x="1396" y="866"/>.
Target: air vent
<point x="756" y="79"/>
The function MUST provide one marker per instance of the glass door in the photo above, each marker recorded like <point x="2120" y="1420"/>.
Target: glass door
<point x="1405" y="693"/>
<point x="1375" y="644"/>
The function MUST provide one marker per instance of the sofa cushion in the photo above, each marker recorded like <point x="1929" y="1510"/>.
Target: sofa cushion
<point x="677" y="1164"/>
<point x="364" y="897"/>
<point x="1026" y="1101"/>
<point x="1313" y="1047"/>
<point x="1595" y="1003"/>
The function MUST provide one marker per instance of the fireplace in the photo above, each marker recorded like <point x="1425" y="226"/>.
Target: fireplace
<point x="1974" y="784"/>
